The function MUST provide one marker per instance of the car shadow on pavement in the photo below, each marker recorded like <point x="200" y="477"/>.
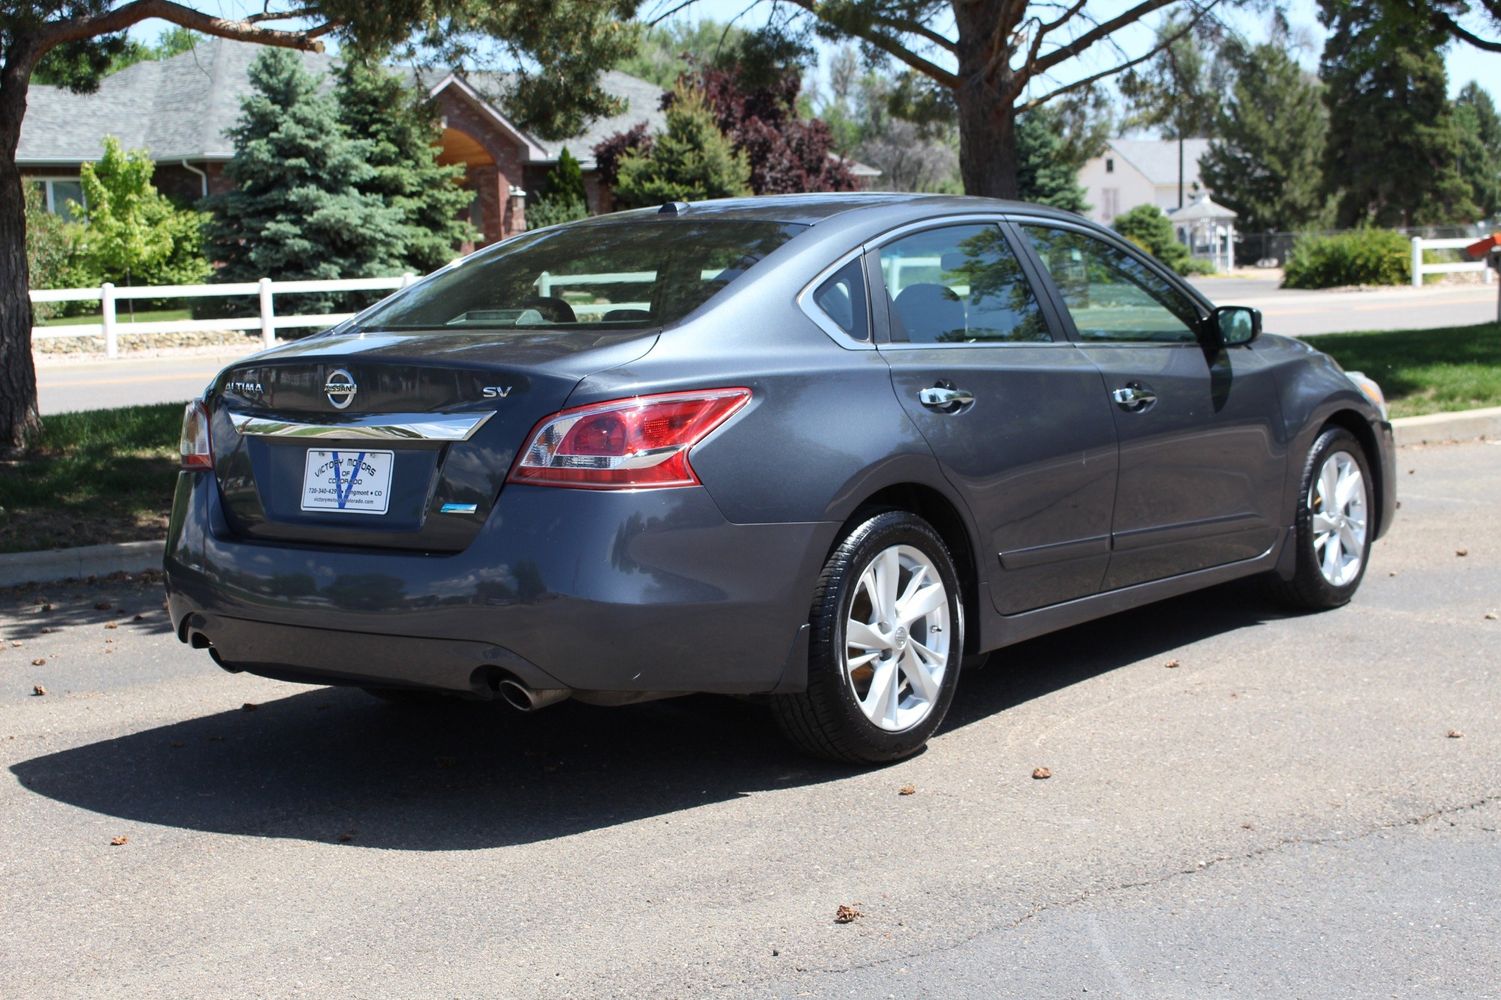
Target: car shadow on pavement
<point x="338" y="766"/>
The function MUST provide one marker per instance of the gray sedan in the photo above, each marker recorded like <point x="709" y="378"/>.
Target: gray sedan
<point x="823" y="450"/>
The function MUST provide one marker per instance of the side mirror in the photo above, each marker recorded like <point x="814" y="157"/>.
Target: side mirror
<point x="1232" y="326"/>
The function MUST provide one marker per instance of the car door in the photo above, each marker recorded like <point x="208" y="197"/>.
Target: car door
<point x="1201" y="467"/>
<point x="1012" y="411"/>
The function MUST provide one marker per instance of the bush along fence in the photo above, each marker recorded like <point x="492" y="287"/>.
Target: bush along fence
<point x="265" y="320"/>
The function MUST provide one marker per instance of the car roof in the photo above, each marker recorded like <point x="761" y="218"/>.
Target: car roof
<point x="810" y="209"/>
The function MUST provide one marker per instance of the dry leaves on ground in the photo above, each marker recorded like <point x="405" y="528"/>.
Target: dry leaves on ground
<point x="40" y="661"/>
<point x="1461" y="552"/>
<point x="37" y="690"/>
<point x="1172" y="664"/>
<point x="907" y="790"/>
<point x="1042" y="773"/>
<point x="119" y="841"/>
<point x="1455" y="734"/>
<point x="846" y="914"/>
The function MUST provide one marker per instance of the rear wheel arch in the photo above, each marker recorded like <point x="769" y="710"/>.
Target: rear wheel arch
<point x="943" y="514"/>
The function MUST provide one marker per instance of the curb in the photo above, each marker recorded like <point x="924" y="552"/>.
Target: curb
<point x="1437" y="428"/>
<point x="132" y="557"/>
<point x="80" y="563"/>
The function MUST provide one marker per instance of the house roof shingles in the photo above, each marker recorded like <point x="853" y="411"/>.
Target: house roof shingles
<point x="182" y="108"/>
<point x="1157" y="159"/>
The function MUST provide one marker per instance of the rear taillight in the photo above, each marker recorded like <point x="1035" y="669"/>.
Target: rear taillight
<point x="625" y="444"/>
<point x="196" y="447"/>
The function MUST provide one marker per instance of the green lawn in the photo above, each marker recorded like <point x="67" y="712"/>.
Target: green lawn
<point x="122" y="316"/>
<point x="1425" y="371"/>
<point x="98" y="476"/>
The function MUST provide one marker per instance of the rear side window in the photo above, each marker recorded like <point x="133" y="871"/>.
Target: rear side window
<point x="959" y="284"/>
<point x="624" y="274"/>
<point x="841" y="297"/>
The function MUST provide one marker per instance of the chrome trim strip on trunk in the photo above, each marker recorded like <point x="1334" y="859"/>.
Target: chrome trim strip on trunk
<point x="370" y="426"/>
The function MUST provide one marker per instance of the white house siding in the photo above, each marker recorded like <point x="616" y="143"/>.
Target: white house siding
<point x="1134" y="172"/>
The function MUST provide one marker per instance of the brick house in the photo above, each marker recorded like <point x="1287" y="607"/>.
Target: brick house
<point x="180" y="109"/>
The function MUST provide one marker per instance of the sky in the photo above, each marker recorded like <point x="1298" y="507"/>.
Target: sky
<point x="1465" y="63"/>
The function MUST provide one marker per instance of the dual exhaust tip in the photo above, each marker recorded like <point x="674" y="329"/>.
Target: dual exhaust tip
<point x="526" y="699"/>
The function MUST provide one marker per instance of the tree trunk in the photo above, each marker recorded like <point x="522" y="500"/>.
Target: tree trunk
<point x="986" y="101"/>
<point x="19" y="419"/>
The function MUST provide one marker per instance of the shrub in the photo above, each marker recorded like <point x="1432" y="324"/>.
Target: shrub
<point x="1359" y="257"/>
<point x="1148" y="227"/>
<point x="52" y="255"/>
<point x="1196" y="265"/>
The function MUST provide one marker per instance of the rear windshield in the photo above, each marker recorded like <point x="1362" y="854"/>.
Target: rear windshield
<point x="614" y="275"/>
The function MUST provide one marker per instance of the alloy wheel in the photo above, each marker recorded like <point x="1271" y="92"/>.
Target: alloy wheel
<point x="897" y="638"/>
<point x="1337" y="503"/>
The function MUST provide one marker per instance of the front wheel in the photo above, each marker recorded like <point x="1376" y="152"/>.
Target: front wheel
<point x="887" y="638"/>
<point x="1333" y="527"/>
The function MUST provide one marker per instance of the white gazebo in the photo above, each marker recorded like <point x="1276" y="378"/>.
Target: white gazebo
<point x="1207" y="227"/>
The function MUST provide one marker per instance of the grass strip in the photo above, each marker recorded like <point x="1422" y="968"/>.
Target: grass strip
<point x="1424" y="371"/>
<point x="96" y="476"/>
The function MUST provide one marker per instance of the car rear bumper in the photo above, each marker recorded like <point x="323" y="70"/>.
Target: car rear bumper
<point x="651" y="591"/>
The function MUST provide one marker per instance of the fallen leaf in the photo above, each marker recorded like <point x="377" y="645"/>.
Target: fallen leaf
<point x="846" y="914"/>
<point x="1461" y="552"/>
<point x="1491" y="616"/>
<point x="1247" y="826"/>
<point x="119" y="841"/>
<point x="1042" y="773"/>
<point x="46" y="631"/>
<point x="37" y="690"/>
<point x="139" y="618"/>
<point x="16" y="643"/>
<point x="40" y="661"/>
<point x="249" y="706"/>
<point x="111" y="624"/>
<point x="45" y="608"/>
<point x="1172" y="664"/>
<point x="1455" y="734"/>
<point x="103" y="606"/>
<point x="1392" y="573"/>
<point x="907" y="790"/>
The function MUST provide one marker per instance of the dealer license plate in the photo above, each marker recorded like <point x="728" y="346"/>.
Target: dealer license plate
<point x="349" y="480"/>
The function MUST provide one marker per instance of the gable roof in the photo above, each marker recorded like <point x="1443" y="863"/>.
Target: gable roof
<point x="1157" y="159"/>
<point x="182" y="108"/>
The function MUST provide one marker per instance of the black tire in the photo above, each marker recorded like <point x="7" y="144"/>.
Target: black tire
<point x="826" y="720"/>
<point x="1309" y="589"/>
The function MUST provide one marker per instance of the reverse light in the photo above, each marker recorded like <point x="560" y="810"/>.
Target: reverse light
<point x="196" y="446"/>
<point x="625" y="444"/>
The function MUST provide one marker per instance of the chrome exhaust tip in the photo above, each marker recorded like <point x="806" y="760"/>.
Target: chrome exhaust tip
<point x="525" y="699"/>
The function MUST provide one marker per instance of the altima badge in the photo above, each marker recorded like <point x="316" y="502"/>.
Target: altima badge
<point x="340" y="388"/>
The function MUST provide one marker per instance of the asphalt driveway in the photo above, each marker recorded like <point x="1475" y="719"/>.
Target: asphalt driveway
<point x="1241" y="804"/>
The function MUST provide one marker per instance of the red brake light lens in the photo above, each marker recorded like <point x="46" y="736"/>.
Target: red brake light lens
<point x="625" y="444"/>
<point x="196" y="446"/>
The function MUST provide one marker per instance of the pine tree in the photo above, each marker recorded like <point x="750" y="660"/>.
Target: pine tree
<point x="1480" y="148"/>
<point x="1266" y="159"/>
<point x="297" y="209"/>
<point x="401" y="131"/>
<point x="1393" y="152"/>
<point x="691" y="161"/>
<point x="562" y="197"/>
<point x="1043" y="173"/>
<point x="1149" y="228"/>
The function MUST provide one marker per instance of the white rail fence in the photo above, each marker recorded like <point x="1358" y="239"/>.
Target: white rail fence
<point x="1419" y="244"/>
<point x="267" y="322"/>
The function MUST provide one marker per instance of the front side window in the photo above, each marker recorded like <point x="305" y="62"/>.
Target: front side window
<point x="626" y="274"/>
<point x="957" y="285"/>
<point x="1110" y="294"/>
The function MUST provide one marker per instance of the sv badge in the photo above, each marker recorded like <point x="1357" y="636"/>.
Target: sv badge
<point x="495" y="391"/>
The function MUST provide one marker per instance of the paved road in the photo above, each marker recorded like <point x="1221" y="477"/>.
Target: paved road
<point x="1283" y="814"/>
<point x="73" y="385"/>
<point x="1299" y="313"/>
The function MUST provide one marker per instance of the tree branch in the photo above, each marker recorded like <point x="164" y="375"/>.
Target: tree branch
<point x="1096" y="78"/>
<point x="887" y="45"/>
<point x="56" y="33"/>
<point x="1443" y="20"/>
<point x="1100" y="31"/>
<point x="912" y="27"/>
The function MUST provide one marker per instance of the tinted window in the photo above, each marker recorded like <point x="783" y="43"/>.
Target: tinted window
<point x="1109" y="293"/>
<point x="959" y="284"/>
<point x="623" y="274"/>
<point x="842" y="299"/>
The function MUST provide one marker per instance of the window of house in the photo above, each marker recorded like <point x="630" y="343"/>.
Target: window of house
<point x="1109" y="165"/>
<point x="58" y="192"/>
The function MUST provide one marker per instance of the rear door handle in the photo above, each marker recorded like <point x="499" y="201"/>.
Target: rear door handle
<point x="945" y="398"/>
<point x="1134" y="396"/>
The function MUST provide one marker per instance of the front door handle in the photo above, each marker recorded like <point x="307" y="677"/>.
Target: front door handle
<point x="945" y="398"/>
<point x="1134" y="396"/>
